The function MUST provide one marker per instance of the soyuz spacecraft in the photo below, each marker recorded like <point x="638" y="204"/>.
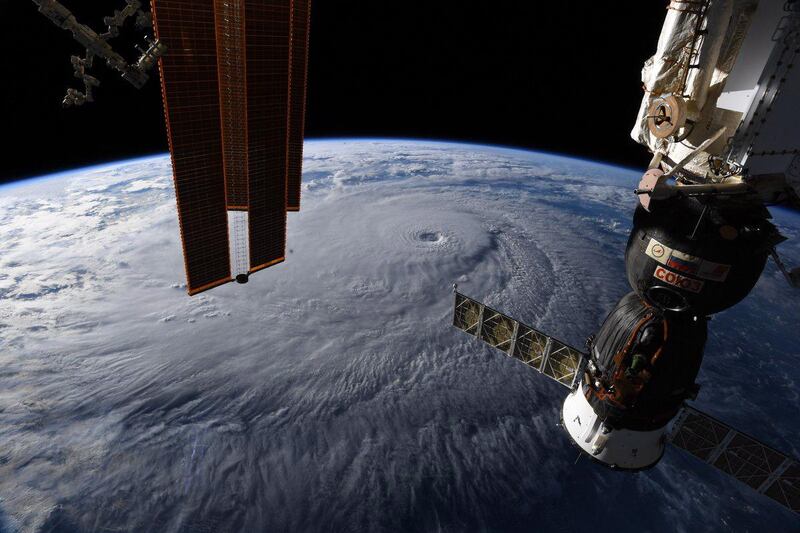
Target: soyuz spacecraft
<point x="721" y="115"/>
<point x="233" y="81"/>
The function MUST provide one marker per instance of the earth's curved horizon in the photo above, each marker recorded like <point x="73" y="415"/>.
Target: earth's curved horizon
<point x="330" y="393"/>
<point x="28" y="180"/>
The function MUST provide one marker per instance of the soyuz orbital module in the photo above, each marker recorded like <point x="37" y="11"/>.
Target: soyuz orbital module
<point x="233" y="85"/>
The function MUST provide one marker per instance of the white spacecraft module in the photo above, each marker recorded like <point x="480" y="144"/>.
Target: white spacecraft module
<point x="721" y="98"/>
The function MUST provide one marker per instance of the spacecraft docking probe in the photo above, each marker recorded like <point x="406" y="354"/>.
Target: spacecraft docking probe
<point x="721" y="115"/>
<point x="97" y="46"/>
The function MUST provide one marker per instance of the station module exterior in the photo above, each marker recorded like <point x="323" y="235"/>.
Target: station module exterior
<point x="97" y="45"/>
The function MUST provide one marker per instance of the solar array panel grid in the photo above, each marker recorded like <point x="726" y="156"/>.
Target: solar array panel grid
<point x="267" y="66"/>
<point x="786" y="489"/>
<point x="530" y="346"/>
<point x="497" y="329"/>
<point x="748" y="460"/>
<point x="740" y="456"/>
<point x="699" y="435"/>
<point x="301" y="17"/>
<point x="563" y="363"/>
<point x="191" y="106"/>
<point x="233" y="99"/>
<point x="467" y="314"/>
<point x="545" y="354"/>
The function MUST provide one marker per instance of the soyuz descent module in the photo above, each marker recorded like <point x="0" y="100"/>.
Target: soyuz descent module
<point x="721" y="115"/>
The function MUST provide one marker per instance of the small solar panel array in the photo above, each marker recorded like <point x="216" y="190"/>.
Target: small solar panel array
<point x="742" y="457"/>
<point x="233" y="84"/>
<point x="541" y="352"/>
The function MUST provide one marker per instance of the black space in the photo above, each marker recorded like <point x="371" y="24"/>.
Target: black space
<point x="561" y="77"/>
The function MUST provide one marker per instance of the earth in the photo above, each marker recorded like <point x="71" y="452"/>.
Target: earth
<point x="331" y="393"/>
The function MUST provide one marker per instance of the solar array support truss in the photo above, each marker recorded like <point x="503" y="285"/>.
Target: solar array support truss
<point x="551" y="357"/>
<point x="742" y="457"/>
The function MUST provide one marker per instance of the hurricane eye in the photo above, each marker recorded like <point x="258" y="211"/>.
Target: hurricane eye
<point x="429" y="236"/>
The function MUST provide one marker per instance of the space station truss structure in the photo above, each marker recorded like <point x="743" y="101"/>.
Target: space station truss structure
<point x="553" y="358"/>
<point x="742" y="457"/>
<point x="98" y="46"/>
<point x="233" y="87"/>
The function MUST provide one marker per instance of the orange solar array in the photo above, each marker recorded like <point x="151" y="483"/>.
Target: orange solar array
<point x="301" y="17"/>
<point x="235" y="126"/>
<point x="191" y="108"/>
<point x="267" y="30"/>
<point x="233" y="97"/>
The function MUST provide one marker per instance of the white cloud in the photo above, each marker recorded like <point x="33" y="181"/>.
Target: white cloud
<point x="331" y="383"/>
